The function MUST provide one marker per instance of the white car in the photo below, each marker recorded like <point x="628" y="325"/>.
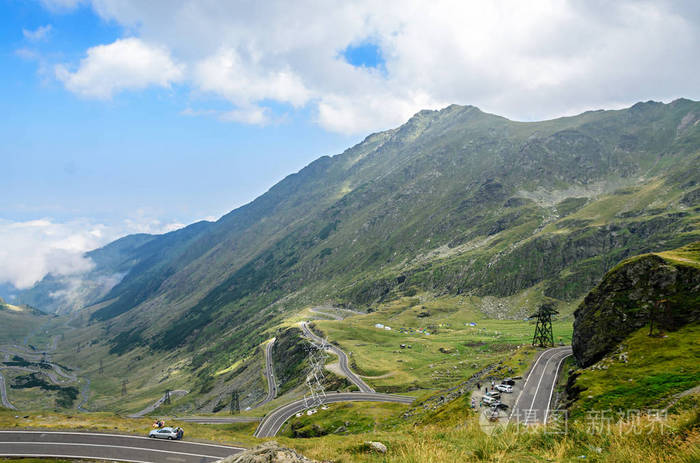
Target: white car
<point x="504" y="388"/>
<point x="165" y="433"/>
<point x="488" y="400"/>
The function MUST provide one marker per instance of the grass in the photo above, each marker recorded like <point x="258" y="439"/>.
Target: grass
<point x="16" y="323"/>
<point x="462" y="440"/>
<point x="452" y="352"/>
<point x="657" y="368"/>
<point x="345" y="418"/>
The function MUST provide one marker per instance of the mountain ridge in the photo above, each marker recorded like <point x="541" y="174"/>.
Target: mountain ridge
<point x="494" y="206"/>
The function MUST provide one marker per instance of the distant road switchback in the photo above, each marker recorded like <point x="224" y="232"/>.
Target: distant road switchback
<point x="342" y="357"/>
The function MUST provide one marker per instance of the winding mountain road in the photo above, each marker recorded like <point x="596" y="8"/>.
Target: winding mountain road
<point x="269" y="374"/>
<point x="342" y="358"/>
<point x="113" y="447"/>
<point x="158" y="403"/>
<point x="3" y="394"/>
<point x="273" y="421"/>
<point x="533" y="404"/>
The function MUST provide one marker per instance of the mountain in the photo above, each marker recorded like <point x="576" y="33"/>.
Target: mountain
<point x="661" y="289"/>
<point x="635" y="335"/>
<point x="64" y="294"/>
<point x="455" y="201"/>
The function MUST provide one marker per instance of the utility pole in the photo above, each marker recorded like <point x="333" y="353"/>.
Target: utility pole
<point x="543" y="329"/>
<point x="235" y="406"/>
<point x="166" y="401"/>
<point x="124" y="383"/>
<point x="102" y="370"/>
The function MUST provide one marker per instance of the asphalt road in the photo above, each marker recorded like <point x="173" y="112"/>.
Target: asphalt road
<point x="533" y="403"/>
<point x="274" y="420"/>
<point x="269" y="374"/>
<point x="158" y="403"/>
<point x="342" y="357"/>
<point x="218" y="420"/>
<point x="109" y="447"/>
<point x="3" y="394"/>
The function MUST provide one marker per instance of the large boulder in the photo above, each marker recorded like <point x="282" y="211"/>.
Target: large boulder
<point x="268" y="452"/>
<point x="663" y="288"/>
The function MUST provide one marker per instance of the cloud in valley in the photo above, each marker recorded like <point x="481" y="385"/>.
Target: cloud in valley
<point x="32" y="249"/>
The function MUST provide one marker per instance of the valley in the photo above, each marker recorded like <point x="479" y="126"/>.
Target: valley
<point x="372" y="296"/>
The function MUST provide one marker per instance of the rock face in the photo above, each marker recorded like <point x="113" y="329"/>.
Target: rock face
<point x="269" y="452"/>
<point x="376" y="447"/>
<point x="663" y="288"/>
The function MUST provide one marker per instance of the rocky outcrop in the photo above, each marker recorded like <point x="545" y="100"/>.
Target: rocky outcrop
<point x="269" y="452"/>
<point x="663" y="289"/>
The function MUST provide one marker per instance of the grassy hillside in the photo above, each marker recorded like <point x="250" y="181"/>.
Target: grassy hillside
<point x="642" y="373"/>
<point x="455" y="203"/>
<point x="18" y="322"/>
<point x="637" y="335"/>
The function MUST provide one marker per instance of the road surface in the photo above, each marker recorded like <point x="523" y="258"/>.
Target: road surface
<point x="158" y="403"/>
<point x="342" y="358"/>
<point x="269" y="374"/>
<point x="273" y="421"/>
<point x="217" y="419"/>
<point x="114" y="447"/>
<point x="534" y="402"/>
<point x="3" y="394"/>
<point x="336" y="313"/>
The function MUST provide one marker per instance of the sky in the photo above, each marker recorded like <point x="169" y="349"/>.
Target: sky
<point x="123" y="116"/>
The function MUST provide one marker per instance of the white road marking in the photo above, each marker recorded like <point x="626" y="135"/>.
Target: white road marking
<point x="119" y="435"/>
<point x="551" y="392"/>
<point x="112" y="446"/>
<point x="83" y="457"/>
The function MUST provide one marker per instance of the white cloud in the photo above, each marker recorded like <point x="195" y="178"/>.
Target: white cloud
<point x="524" y="60"/>
<point x="253" y="115"/>
<point x="32" y="249"/>
<point x="61" y="5"/>
<point x="40" y="33"/>
<point x="126" y="64"/>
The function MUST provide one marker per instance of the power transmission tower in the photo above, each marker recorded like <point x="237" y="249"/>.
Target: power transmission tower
<point x="235" y="406"/>
<point x="124" y="383"/>
<point x="166" y="401"/>
<point x="314" y="377"/>
<point x="543" y="329"/>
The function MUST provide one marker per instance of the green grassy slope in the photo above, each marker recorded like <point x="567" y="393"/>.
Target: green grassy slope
<point x="455" y="202"/>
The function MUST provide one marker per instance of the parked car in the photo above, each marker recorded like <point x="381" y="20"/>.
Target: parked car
<point x="494" y="394"/>
<point x="166" y="433"/>
<point x="508" y="381"/>
<point x="488" y="400"/>
<point x="504" y="388"/>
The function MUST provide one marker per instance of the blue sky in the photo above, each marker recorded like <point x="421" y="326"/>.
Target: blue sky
<point x="135" y="155"/>
<point x="123" y="116"/>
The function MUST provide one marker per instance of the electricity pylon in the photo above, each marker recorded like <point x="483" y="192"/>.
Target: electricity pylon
<point x="314" y="377"/>
<point x="235" y="406"/>
<point x="544" y="336"/>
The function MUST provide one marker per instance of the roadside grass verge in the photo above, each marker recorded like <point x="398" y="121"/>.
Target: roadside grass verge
<point x="676" y="441"/>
